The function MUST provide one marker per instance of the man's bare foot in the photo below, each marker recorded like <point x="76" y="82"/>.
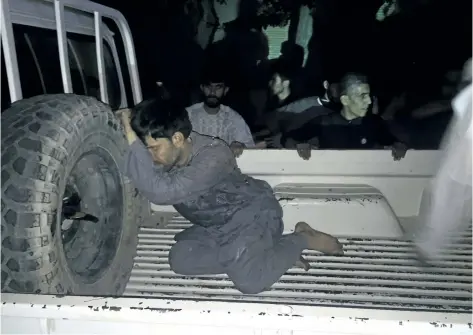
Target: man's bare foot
<point x="319" y="241"/>
<point x="303" y="264"/>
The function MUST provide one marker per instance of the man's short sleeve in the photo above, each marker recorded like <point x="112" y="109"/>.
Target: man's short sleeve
<point x="240" y="132"/>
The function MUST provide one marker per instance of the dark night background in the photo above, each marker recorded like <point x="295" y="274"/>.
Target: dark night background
<point x="412" y="49"/>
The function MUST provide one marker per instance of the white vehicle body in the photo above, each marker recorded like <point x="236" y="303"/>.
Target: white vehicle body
<point x="365" y="198"/>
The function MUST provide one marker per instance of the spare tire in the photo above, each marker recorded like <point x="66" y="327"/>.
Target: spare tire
<point x="64" y="152"/>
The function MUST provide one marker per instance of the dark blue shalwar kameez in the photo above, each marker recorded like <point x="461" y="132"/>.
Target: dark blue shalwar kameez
<point x="237" y="221"/>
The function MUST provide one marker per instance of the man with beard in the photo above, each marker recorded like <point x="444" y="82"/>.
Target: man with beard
<point x="212" y="118"/>
<point x="237" y="221"/>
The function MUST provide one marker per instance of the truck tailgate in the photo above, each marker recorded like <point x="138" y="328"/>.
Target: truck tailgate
<point x="373" y="273"/>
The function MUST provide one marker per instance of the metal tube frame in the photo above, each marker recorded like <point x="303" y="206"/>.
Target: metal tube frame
<point x="99" y="11"/>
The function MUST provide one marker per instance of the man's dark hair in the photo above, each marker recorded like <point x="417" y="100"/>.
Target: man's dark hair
<point x="214" y="73"/>
<point x="293" y="54"/>
<point x="351" y="79"/>
<point x="283" y="68"/>
<point x="159" y="118"/>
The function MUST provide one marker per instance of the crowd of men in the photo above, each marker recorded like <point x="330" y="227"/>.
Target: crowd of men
<point x="343" y="118"/>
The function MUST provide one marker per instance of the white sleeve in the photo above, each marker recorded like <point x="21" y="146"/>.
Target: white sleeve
<point x="447" y="202"/>
<point x="240" y="132"/>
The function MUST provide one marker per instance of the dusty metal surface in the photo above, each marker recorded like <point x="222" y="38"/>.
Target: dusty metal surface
<point x="380" y="274"/>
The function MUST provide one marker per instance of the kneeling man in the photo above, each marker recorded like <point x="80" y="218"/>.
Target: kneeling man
<point x="237" y="221"/>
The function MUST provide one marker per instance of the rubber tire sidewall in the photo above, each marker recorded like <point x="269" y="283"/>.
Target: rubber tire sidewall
<point x="84" y="123"/>
<point x="114" y="279"/>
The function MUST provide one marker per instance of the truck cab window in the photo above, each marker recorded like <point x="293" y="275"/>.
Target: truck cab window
<point x="83" y="62"/>
<point x="38" y="60"/>
<point x="31" y="76"/>
<point x="40" y="70"/>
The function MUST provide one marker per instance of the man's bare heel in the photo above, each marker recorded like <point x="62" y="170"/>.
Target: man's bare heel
<point x="319" y="241"/>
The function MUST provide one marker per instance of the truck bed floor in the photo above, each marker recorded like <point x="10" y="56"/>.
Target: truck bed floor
<point x="381" y="274"/>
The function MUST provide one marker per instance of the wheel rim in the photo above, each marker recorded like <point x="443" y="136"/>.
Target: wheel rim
<point x="92" y="215"/>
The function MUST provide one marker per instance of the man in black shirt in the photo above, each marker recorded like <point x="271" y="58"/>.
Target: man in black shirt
<point x="352" y="128"/>
<point x="289" y="108"/>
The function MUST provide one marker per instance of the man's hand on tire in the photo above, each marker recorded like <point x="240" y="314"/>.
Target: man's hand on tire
<point x="125" y="117"/>
<point x="237" y="148"/>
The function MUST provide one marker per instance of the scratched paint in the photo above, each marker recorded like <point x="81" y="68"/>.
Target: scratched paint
<point x="159" y="310"/>
<point x="49" y="325"/>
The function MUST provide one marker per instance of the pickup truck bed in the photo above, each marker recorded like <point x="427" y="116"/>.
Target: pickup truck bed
<point x="378" y="283"/>
<point x="380" y="274"/>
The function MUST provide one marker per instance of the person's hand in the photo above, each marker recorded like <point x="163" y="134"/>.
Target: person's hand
<point x="237" y="148"/>
<point x="125" y="117"/>
<point x="261" y="145"/>
<point x="261" y="133"/>
<point x="304" y="150"/>
<point x="398" y="150"/>
<point x="273" y="141"/>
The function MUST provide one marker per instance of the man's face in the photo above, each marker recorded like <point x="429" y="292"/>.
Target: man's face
<point x="164" y="151"/>
<point x="332" y="91"/>
<point x="357" y="100"/>
<point x="214" y="93"/>
<point x="277" y="85"/>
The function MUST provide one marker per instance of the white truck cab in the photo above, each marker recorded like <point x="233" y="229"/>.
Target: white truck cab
<point x="62" y="274"/>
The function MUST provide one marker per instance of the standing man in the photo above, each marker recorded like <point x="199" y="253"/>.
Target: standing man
<point x="212" y="118"/>
<point x="446" y="205"/>
<point x="238" y="228"/>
